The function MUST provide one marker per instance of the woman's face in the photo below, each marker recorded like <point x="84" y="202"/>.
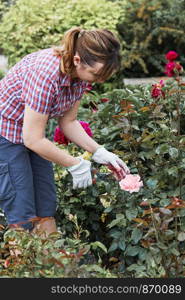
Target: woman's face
<point x="86" y="72"/>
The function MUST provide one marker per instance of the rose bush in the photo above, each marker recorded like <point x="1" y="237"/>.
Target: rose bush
<point x="138" y="234"/>
<point x="172" y="68"/>
<point x="139" y="229"/>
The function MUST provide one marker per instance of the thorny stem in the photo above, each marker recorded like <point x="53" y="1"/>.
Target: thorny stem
<point x="132" y="147"/>
<point x="154" y="224"/>
<point x="178" y="99"/>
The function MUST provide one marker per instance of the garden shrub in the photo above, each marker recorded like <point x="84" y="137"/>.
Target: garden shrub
<point x="1" y="74"/>
<point x="144" y="232"/>
<point x="50" y="257"/>
<point x="32" y="25"/>
<point x="148" y="30"/>
<point x="3" y="5"/>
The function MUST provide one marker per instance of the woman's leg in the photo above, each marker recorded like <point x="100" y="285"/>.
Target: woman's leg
<point x="45" y="194"/>
<point x="17" y="198"/>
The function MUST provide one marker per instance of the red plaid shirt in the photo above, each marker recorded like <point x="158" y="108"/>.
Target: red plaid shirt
<point x="37" y="81"/>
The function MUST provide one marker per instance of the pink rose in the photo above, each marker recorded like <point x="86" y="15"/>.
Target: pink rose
<point x="131" y="183"/>
<point x="60" y="138"/>
<point x="171" y="55"/>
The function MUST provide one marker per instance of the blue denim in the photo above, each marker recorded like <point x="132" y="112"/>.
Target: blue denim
<point x="27" y="187"/>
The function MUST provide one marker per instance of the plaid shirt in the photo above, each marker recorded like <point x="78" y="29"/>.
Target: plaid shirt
<point x="37" y="81"/>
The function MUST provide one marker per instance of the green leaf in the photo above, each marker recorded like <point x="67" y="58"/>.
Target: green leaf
<point x="152" y="183"/>
<point x="122" y="245"/>
<point x="142" y="254"/>
<point x="162" y="246"/>
<point x="108" y="209"/>
<point x="136" y="235"/>
<point x="182" y="212"/>
<point x="120" y="220"/>
<point x="131" y="213"/>
<point x="95" y="192"/>
<point x="59" y="243"/>
<point x="173" y="171"/>
<point x="115" y="234"/>
<point x="162" y="149"/>
<point x="113" y="247"/>
<point x="74" y="199"/>
<point x="38" y="260"/>
<point x="132" y="250"/>
<point x="174" y="152"/>
<point x="174" y="251"/>
<point x="95" y="268"/>
<point x="135" y="267"/>
<point x="98" y="244"/>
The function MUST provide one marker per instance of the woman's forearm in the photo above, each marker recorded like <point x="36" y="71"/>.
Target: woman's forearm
<point x="76" y="134"/>
<point x="48" y="150"/>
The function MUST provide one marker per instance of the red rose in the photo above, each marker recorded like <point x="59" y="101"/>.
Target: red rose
<point x="60" y="138"/>
<point x="171" y="55"/>
<point x="157" y="91"/>
<point x="172" y="67"/>
<point x="86" y="127"/>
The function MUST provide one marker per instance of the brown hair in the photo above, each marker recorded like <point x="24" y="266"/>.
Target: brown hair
<point x="98" y="45"/>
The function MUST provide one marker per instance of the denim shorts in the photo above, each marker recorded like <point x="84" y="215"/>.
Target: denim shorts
<point x="27" y="186"/>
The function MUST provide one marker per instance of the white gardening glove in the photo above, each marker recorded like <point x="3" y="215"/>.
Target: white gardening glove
<point x="102" y="156"/>
<point x="81" y="174"/>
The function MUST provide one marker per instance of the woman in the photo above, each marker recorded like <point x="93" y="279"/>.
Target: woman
<point x="46" y="84"/>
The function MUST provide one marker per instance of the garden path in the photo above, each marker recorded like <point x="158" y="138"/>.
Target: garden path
<point x="147" y="80"/>
<point x="3" y="63"/>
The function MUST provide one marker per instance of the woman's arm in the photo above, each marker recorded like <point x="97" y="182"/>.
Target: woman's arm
<point x="34" y="125"/>
<point x="75" y="132"/>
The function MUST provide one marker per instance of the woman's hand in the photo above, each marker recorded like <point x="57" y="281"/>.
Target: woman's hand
<point x="105" y="157"/>
<point x="81" y="174"/>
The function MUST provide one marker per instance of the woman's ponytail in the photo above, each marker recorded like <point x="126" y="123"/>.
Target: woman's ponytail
<point x="68" y="49"/>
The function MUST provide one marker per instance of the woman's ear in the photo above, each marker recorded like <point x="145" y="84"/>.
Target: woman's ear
<point x="76" y="60"/>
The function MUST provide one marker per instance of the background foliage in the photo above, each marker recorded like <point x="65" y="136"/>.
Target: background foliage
<point x="29" y="26"/>
<point x="146" y="29"/>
